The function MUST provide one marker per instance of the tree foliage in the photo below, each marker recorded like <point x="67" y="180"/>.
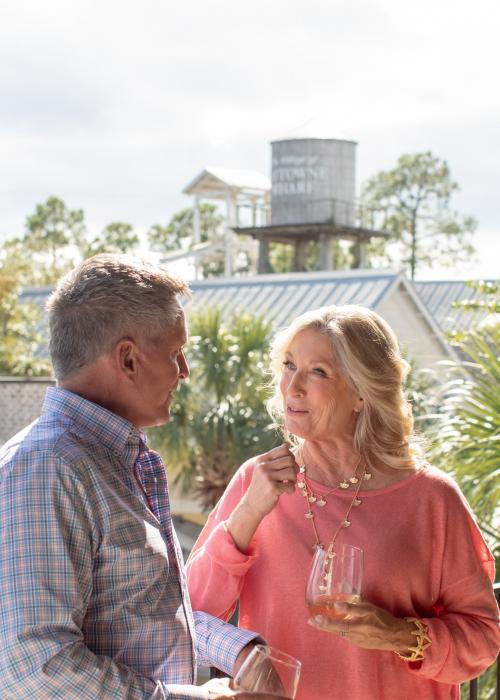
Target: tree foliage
<point x="179" y="230"/>
<point x="20" y="337"/>
<point x="220" y="419"/>
<point x="55" y="239"/>
<point x="487" y="299"/>
<point x="467" y="434"/>
<point x="422" y="390"/>
<point x="412" y="202"/>
<point x="54" y="236"/>
<point x="458" y="412"/>
<point x="117" y="237"/>
<point x="178" y="234"/>
<point x="281" y="256"/>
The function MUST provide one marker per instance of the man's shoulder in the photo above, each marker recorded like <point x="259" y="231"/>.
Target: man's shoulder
<point x="30" y="439"/>
<point x="47" y="442"/>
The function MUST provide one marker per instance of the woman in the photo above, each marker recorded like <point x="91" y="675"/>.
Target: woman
<point x="355" y="476"/>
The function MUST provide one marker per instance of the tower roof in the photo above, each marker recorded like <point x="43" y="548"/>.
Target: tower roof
<point x="214" y="180"/>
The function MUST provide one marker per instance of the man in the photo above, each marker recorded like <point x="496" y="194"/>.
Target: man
<point x="93" y="599"/>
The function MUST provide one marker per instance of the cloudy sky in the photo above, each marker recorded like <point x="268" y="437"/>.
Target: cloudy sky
<point x="116" y="105"/>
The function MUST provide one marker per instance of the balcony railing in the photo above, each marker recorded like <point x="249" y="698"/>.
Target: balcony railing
<point x="473" y="685"/>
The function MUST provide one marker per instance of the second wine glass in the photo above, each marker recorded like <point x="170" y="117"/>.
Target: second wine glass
<point x="269" y="670"/>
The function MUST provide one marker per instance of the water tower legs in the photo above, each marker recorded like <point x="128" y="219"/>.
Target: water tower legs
<point x="299" y="257"/>
<point x="263" y="264"/>
<point x="359" y="252"/>
<point x="325" y="253"/>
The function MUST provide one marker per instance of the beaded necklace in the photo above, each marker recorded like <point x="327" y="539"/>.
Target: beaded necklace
<point x="320" y="500"/>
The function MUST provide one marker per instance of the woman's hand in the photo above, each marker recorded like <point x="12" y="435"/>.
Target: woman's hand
<point x="368" y="627"/>
<point x="274" y="474"/>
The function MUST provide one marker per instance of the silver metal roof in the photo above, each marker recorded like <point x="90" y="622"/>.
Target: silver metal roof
<point x="280" y="298"/>
<point x="438" y="297"/>
<point x="235" y="179"/>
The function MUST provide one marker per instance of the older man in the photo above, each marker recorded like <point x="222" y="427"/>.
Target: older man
<point x="93" y="600"/>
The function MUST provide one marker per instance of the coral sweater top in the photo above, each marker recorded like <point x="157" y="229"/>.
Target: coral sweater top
<point x="424" y="557"/>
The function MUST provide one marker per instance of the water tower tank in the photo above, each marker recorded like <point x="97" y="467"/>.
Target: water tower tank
<point x="313" y="181"/>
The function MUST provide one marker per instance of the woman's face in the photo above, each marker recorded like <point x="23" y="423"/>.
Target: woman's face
<point x="318" y="402"/>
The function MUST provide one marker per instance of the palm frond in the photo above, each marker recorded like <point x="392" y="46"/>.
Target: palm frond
<point x="219" y="419"/>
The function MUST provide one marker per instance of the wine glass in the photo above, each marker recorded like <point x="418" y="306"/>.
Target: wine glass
<point x="269" y="670"/>
<point x="335" y="577"/>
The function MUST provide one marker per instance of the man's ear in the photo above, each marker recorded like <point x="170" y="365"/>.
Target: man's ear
<point x="126" y="357"/>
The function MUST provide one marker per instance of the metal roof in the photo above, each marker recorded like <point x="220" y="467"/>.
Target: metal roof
<point x="36" y="295"/>
<point x="235" y="179"/>
<point x="280" y="298"/>
<point x="438" y="297"/>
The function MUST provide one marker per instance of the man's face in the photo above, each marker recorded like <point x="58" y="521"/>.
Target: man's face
<point x="159" y="370"/>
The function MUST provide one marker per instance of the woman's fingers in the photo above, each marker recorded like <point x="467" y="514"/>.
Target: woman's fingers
<point x="278" y="458"/>
<point x="274" y="474"/>
<point x="352" y="614"/>
<point x="276" y="453"/>
<point x="280" y="467"/>
<point x="280" y="471"/>
<point x="322" y="623"/>
<point x="365" y="625"/>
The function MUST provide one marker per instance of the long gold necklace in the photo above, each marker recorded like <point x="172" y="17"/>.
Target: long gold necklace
<point x="345" y="522"/>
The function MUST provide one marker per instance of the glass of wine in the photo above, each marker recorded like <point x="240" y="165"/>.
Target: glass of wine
<point x="335" y="577"/>
<point x="269" y="670"/>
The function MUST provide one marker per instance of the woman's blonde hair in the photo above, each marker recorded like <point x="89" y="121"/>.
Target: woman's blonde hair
<point x="366" y="351"/>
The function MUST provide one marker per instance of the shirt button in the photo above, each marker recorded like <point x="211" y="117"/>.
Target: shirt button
<point x="116" y="453"/>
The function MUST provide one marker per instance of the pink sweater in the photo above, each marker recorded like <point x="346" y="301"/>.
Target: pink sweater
<point x="424" y="557"/>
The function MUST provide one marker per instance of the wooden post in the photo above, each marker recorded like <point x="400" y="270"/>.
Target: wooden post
<point x="325" y="253"/>
<point x="228" y="233"/>
<point x="299" y="262"/>
<point x="196" y="232"/>
<point x="263" y="264"/>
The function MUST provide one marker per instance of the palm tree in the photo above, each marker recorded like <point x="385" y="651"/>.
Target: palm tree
<point x="467" y="432"/>
<point x="219" y="420"/>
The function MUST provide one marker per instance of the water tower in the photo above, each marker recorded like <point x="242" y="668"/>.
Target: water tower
<point x="312" y="199"/>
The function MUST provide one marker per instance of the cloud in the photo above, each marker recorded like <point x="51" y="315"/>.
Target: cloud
<point x="116" y="106"/>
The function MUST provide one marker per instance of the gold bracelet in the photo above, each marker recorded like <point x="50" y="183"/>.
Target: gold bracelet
<point x="423" y="641"/>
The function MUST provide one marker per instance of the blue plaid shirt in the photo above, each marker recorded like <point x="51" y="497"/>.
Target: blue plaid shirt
<point x="93" y="597"/>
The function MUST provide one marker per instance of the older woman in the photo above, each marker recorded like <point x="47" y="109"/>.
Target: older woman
<point x="428" y="619"/>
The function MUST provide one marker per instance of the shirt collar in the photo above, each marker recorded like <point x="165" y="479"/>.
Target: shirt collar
<point x="88" y="418"/>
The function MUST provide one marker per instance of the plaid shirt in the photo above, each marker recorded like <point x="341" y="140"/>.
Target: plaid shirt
<point x="93" y="598"/>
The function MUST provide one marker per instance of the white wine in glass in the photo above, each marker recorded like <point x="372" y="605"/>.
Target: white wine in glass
<point x="269" y="670"/>
<point x="335" y="577"/>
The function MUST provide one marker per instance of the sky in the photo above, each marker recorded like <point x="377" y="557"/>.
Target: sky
<point x="115" y="106"/>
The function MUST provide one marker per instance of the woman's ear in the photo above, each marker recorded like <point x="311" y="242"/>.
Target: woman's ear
<point x="359" y="405"/>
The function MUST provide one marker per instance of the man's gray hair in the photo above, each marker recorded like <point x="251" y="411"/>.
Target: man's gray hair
<point x="106" y="298"/>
